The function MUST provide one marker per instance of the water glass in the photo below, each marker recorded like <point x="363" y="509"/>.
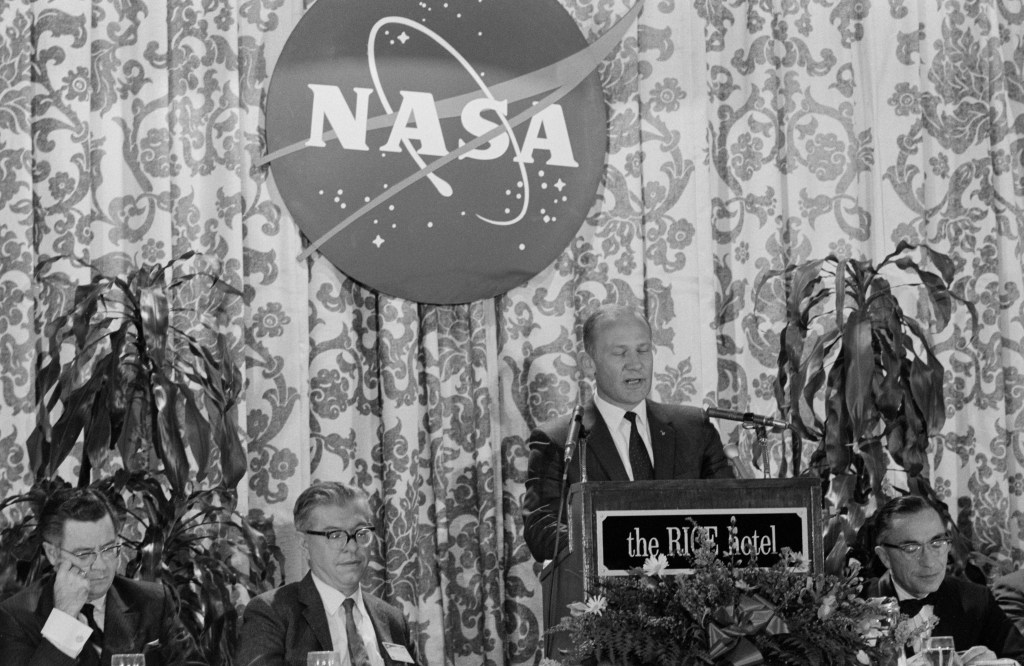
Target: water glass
<point x="939" y="650"/>
<point x="128" y="660"/>
<point x="323" y="659"/>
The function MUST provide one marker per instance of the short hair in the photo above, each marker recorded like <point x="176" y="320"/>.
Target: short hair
<point x="86" y="505"/>
<point x="324" y="493"/>
<point x="906" y="505"/>
<point x="607" y="313"/>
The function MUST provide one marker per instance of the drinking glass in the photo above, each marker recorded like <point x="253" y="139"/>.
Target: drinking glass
<point x="128" y="660"/>
<point x="322" y="659"/>
<point x="939" y="650"/>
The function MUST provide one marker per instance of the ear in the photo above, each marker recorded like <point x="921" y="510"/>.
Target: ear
<point x="52" y="553"/>
<point x="883" y="555"/>
<point x="586" y="364"/>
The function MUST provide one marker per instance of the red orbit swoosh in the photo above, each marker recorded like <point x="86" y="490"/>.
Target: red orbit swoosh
<point x="560" y="78"/>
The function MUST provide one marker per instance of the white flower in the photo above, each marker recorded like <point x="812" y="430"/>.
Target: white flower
<point x="596" y="605"/>
<point x="862" y="657"/>
<point x="656" y="565"/>
<point x="828" y="605"/>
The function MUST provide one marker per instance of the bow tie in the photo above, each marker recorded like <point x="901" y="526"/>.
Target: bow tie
<point x="912" y="607"/>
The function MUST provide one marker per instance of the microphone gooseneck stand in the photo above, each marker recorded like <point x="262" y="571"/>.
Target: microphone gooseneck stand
<point x="581" y="455"/>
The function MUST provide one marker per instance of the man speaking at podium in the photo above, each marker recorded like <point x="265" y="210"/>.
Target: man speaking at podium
<point x="628" y="437"/>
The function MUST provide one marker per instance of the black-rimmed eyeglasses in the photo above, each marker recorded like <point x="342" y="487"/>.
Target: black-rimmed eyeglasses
<point x="362" y="536"/>
<point x="913" y="548"/>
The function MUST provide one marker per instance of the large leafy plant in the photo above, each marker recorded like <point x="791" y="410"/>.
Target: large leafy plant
<point x="858" y="373"/>
<point x="134" y="380"/>
<point x="116" y="372"/>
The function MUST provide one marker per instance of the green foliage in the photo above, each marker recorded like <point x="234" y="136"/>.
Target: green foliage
<point x="647" y="619"/>
<point x="200" y="547"/>
<point x="859" y="375"/>
<point x="134" y="380"/>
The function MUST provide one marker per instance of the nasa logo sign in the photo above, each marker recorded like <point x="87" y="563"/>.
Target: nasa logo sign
<point x="438" y="151"/>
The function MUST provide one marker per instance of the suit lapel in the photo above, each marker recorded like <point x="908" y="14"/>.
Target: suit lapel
<point x="120" y="625"/>
<point x="380" y="626"/>
<point x="663" y="444"/>
<point x="601" y="452"/>
<point x="314" y="613"/>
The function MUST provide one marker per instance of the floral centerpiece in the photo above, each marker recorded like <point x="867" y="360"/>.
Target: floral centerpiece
<point x="727" y="614"/>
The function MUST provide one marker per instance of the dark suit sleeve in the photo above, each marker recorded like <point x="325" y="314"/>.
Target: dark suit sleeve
<point x="1009" y="593"/>
<point x="998" y="633"/>
<point x="543" y="495"/>
<point x="21" y="643"/>
<point x="261" y="641"/>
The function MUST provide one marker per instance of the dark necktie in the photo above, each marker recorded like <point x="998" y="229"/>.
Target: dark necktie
<point x="356" y="649"/>
<point x="95" y="641"/>
<point x="638" y="458"/>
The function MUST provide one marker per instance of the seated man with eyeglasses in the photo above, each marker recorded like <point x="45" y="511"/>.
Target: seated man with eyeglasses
<point x="911" y="540"/>
<point x="84" y="612"/>
<point x="327" y="610"/>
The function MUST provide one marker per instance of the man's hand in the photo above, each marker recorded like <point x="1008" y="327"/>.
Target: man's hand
<point x="70" y="588"/>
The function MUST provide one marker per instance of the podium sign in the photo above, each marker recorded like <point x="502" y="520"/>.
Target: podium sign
<point x="615" y="525"/>
<point x="625" y="539"/>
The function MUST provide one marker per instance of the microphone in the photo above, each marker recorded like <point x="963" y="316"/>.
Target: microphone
<point x="572" y="440"/>
<point x="745" y="417"/>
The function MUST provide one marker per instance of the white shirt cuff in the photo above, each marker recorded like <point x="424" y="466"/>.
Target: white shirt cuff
<point x="66" y="633"/>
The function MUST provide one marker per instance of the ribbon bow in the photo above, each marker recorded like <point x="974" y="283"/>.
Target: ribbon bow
<point x="730" y="629"/>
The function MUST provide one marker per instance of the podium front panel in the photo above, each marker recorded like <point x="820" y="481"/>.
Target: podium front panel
<point x="616" y="525"/>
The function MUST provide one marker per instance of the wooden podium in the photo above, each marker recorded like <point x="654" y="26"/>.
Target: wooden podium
<point x="615" y="525"/>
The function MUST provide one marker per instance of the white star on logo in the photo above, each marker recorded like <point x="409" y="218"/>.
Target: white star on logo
<point x="559" y="185"/>
<point x="378" y="241"/>
<point x="403" y="37"/>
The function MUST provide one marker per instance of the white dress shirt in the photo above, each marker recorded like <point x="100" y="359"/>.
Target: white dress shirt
<point x="332" y="600"/>
<point x="619" y="427"/>
<point x="69" y="634"/>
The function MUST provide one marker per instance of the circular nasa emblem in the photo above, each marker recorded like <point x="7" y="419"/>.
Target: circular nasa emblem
<point x="442" y="152"/>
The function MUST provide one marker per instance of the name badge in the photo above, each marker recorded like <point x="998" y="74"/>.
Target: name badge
<point x="398" y="652"/>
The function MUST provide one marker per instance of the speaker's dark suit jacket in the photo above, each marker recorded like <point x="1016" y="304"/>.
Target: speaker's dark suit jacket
<point x="968" y="612"/>
<point x="685" y="446"/>
<point x="1009" y="593"/>
<point x="136" y="613"/>
<point x="282" y="625"/>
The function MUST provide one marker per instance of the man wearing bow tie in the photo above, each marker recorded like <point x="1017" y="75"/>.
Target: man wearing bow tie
<point x="912" y="542"/>
<point x="629" y="438"/>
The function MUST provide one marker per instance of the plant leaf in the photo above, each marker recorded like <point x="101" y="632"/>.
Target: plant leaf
<point x="167" y="443"/>
<point x="859" y="360"/>
<point x="927" y="392"/>
<point x="196" y="433"/>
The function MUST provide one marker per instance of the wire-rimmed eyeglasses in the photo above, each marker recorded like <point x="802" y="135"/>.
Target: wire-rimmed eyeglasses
<point x="362" y="536"/>
<point x="88" y="557"/>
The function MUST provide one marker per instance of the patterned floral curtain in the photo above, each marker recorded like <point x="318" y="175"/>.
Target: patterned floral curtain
<point x="743" y="135"/>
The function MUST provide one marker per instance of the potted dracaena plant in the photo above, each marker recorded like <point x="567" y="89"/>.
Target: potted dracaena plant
<point x="117" y="372"/>
<point x="858" y="374"/>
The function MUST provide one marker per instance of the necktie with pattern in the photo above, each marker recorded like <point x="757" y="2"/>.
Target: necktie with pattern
<point x="643" y="470"/>
<point x="356" y="648"/>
